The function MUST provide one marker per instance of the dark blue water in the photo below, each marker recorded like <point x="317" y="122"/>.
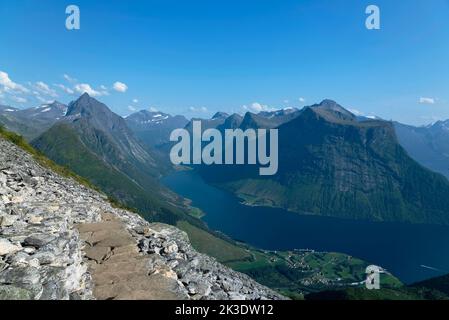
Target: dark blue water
<point x="411" y="252"/>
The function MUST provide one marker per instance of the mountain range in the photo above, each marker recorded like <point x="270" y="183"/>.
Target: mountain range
<point x="332" y="164"/>
<point x="154" y="128"/>
<point x="32" y="122"/>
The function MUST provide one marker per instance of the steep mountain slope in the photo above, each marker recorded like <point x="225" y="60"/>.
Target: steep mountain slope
<point x="439" y="283"/>
<point x="154" y="128"/>
<point x="234" y="121"/>
<point x="96" y="144"/>
<point x="428" y="145"/>
<point x="330" y="164"/>
<point x="32" y="122"/>
<point x="60" y="240"/>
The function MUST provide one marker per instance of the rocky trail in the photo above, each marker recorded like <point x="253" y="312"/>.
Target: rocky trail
<point x="61" y="240"/>
<point x="117" y="268"/>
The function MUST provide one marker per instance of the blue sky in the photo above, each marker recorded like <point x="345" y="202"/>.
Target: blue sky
<point x="198" y="57"/>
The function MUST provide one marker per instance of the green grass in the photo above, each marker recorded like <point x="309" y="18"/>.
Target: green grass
<point x="196" y="213"/>
<point x="296" y="272"/>
<point x="222" y="250"/>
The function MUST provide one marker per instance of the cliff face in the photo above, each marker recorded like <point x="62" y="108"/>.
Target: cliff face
<point x="61" y="240"/>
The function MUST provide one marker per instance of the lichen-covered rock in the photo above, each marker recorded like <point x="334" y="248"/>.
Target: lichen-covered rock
<point x="8" y="292"/>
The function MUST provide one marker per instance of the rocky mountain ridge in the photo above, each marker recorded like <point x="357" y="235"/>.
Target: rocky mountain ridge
<point x="32" y="122"/>
<point x="154" y="128"/>
<point x="61" y="240"/>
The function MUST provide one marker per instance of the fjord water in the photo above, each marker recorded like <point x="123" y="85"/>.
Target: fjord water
<point x="411" y="252"/>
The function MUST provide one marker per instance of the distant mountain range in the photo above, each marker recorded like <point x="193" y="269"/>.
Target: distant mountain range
<point x="332" y="164"/>
<point x="32" y="122"/>
<point x="154" y="128"/>
<point x="428" y="145"/>
<point x="216" y="121"/>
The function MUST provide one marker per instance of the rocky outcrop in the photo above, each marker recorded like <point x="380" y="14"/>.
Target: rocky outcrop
<point x="61" y="240"/>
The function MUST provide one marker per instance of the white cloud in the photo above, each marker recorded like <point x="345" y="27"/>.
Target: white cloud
<point x="45" y="89"/>
<point x="120" y="87"/>
<point x="302" y="100"/>
<point x="42" y="86"/>
<point x="65" y="89"/>
<point x="257" y="107"/>
<point x="86" y="88"/>
<point x="104" y="90"/>
<point x="424" y="100"/>
<point x="135" y="100"/>
<point x="153" y="109"/>
<point x="199" y="109"/>
<point x="132" y="108"/>
<point x="6" y="84"/>
<point x="18" y="99"/>
<point x="69" y="78"/>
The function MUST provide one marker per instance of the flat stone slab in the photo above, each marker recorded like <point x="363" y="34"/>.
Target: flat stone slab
<point x="118" y="271"/>
<point x="98" y="254"/>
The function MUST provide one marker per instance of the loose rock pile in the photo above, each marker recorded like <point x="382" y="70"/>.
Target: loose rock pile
<point x="54" y="244"/>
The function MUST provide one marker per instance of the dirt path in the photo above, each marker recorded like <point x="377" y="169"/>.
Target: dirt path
<point x="118" y="270"/>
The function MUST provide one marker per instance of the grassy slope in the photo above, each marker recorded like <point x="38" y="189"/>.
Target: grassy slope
<point x="42" y="159"/>
<point x="224" y="251"/>
<point x="439" y="283"/>
<point x="291" y="273"/>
